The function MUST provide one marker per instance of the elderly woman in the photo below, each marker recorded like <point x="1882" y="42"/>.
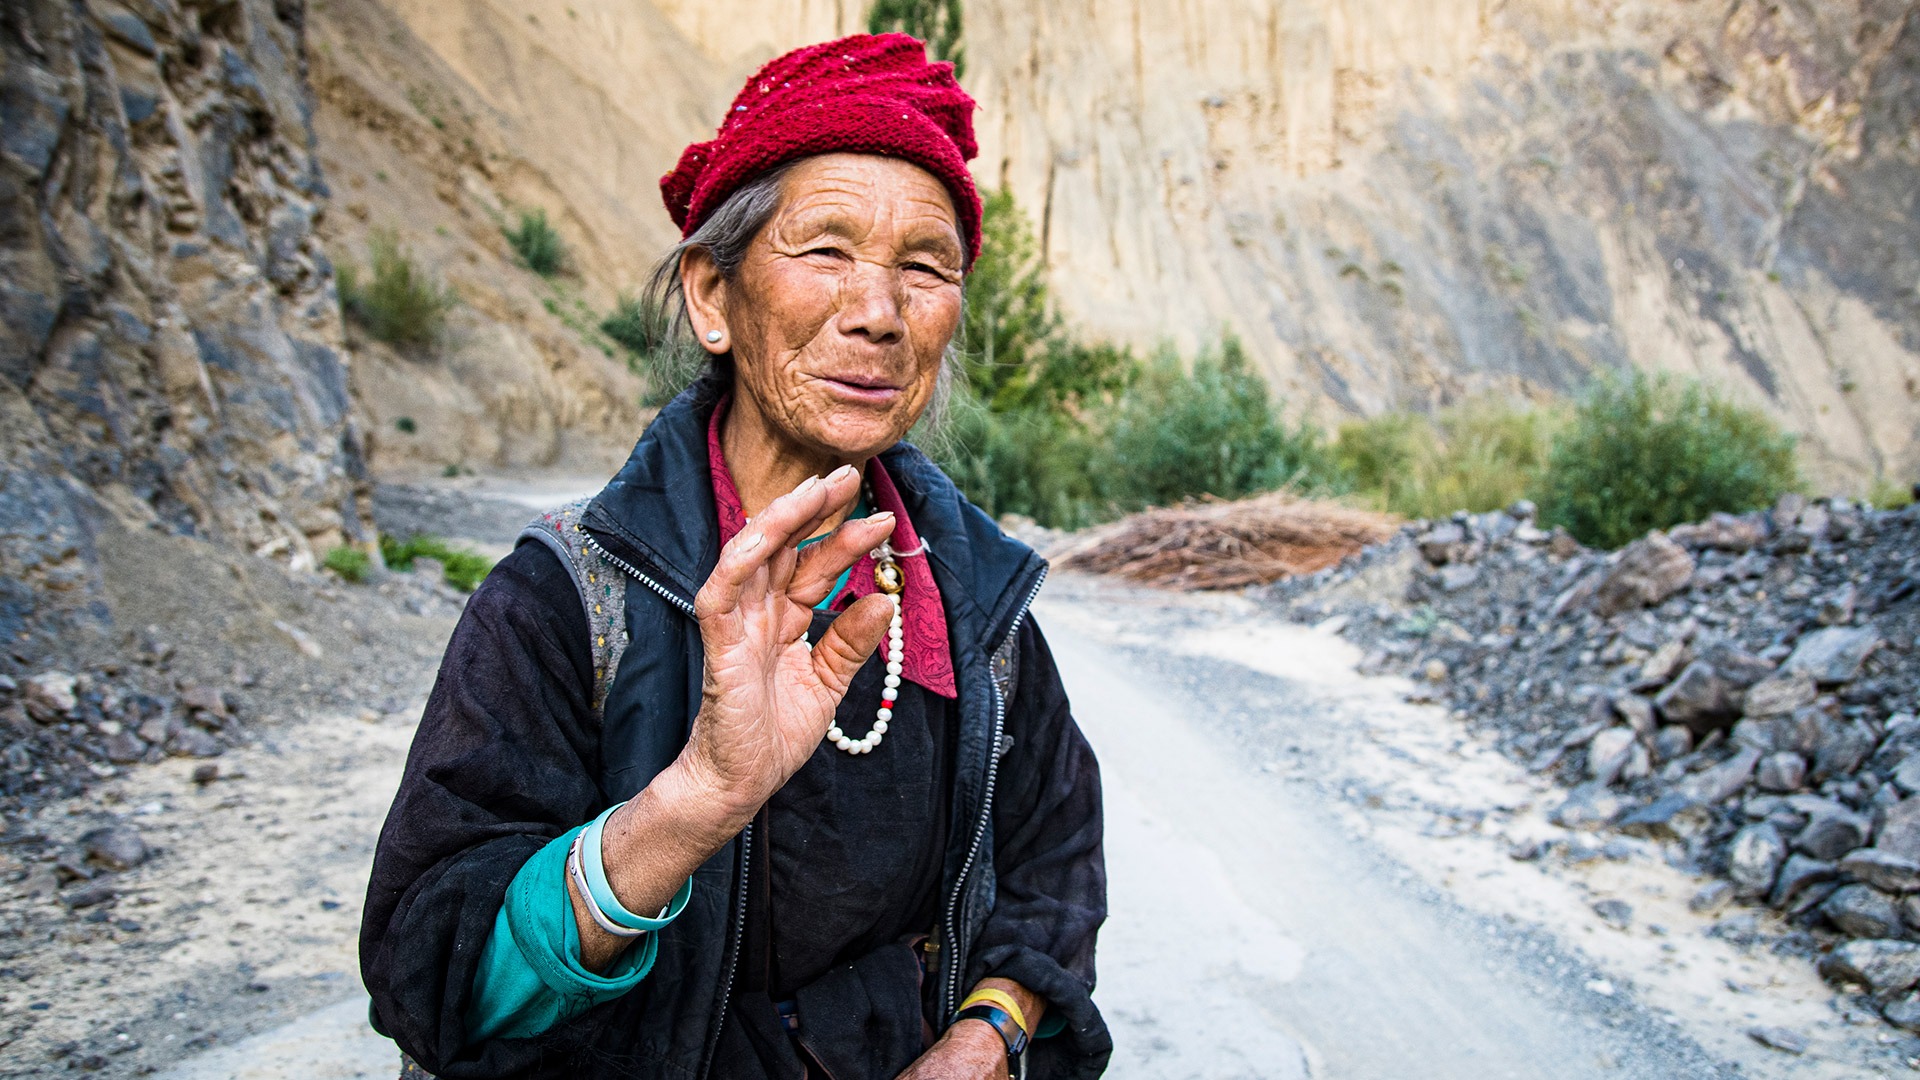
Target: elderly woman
<point x="754" y="764"/>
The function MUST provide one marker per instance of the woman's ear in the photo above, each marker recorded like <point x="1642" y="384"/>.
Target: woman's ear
<point x="706" y="292"/>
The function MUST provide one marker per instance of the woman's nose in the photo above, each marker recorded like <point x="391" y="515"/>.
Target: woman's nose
<point x="871" y="305"/>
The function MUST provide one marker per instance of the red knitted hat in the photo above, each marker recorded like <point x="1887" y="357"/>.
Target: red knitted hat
<point x="864" y="94"/>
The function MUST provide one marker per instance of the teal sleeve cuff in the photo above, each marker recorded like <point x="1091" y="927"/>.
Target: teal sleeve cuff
<point x="1051" y="1025"/>
<point x="530" y="977"/>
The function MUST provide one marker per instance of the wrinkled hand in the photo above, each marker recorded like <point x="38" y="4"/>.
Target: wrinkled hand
<point x="970" y="1050"/>
<point x="767" y="699"/>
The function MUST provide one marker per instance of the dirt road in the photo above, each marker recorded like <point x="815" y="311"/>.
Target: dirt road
<point x="1310" y="878"/>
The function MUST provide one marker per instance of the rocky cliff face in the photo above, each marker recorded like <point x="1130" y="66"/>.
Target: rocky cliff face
<point x="170" y="339"/>
<point x="1400" y="204"/>
<point x="1394" y="204"/>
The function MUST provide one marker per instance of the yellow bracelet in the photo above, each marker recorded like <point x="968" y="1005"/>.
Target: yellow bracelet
<point x="1000" y="999"/>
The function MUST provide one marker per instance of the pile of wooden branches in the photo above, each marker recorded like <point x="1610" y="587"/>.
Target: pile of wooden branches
<point x="1226" y="545"/>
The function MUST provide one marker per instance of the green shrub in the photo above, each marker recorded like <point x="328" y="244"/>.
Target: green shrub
<point x="636" y="324"/>
<point x="936" y="22"/>
<point x="400" y="303"/>
<point x="1479" y="455"/>
<point x="464" y="569"/>
<point x="1021" y="431"/>
<point x="1890" y="494"/>
<point x="1036" y="462"/>
<point x="1212" y="431"/>
<point x="639" y="326"/>
<point x="1646" y="452"/>
<point x="350" y="563"/>
<point x="537" y="243"/>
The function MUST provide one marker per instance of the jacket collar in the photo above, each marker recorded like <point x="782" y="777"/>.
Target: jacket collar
<point x="658" y="513"/>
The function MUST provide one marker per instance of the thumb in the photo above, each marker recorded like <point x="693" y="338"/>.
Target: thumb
<point x="850" y="640"/>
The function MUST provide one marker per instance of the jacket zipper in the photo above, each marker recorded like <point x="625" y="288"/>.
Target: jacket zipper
<point x="668" y="594"/>
<point x="746" y="834"/>
<point x="950" y="977"/>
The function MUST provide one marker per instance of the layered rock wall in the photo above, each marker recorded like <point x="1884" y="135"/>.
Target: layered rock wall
<point x="170" y="339"/>
<point x="1398" y="204"/>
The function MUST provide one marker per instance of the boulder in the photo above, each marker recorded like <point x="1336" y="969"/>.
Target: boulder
<point x="1754" y="859"/>
<point x="115" y="847"/>
<point x="1647" y="571"/>
<point x="1723" y="532"/>
<point x="1444" y="543"/>
<point x="1588" y="806"/>
<point x="1903" y="1012"/>
<point x="1797" y="875"/>
<point x="1783" y="772"/>
<point x="1863" y="911"/>
<point x="1699" y="698"/>
<point x="1673" y="741"/>
<point x="1832" y="834"/>
<point x="1670" y="817"/>
<point x="1883" y="966"/>
<point x="1836" y="608"/>
<point x="1832" y="655"/>
<point x="1638" y="713"/>
<point x="1607" y="754"/>
<point x="1843" y="748"/>
<point x="1659" y="668"/>
<point x="1778" y="695"/>
<point x="1882" y="869"/>
<point x="1723" y="780"/>
<point x="1785" y="1040"/>
<point x="1900" y="832"/>
<point x="1906" y="775"/>
<point x="205" y="699"/>
<point x="1712" y="897"/>
<point x="49" y="696"/>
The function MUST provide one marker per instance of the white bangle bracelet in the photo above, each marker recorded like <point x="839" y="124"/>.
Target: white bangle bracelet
<point x="579" y="878"/>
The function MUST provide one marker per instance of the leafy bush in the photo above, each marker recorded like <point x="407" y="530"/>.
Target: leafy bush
<point x="464" y="569"/>
<point x="639" y="326"/>
<point x="537" y="243"/>
<point x="936" y="22"/>
<point x="1022" y="425"/>
<point x="350" y="563"/>
<point x="1480" y="455"/>
<point x="400" y="304"/>
<point x="1890" y="494"/>
<point x="1037" y="462"/>
<point x="1647" y="452"/>
<point x="1212" y="431"/>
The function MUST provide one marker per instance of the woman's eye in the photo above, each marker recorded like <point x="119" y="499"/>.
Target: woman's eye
<point x="827" y="251"/>
<point x="923" y="268"/>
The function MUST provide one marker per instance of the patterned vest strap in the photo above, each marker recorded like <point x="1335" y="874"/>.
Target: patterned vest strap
<point x="601" y="585"/>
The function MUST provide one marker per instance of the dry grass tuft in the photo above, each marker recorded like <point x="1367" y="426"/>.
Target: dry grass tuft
<point x="1226" y="545"/>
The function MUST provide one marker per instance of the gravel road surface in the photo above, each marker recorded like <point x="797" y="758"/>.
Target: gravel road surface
<point x="1310" y="878"/>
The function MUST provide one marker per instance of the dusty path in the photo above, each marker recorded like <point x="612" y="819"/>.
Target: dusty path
<point x="1309" y="878"/>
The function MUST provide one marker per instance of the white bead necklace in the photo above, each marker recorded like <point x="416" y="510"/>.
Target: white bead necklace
<point x="888" y="578"/>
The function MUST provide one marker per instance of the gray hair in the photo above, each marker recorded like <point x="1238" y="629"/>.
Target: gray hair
<point x="725" y="236"/>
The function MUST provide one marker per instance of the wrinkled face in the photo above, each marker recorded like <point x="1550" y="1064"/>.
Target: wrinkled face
<point x="841" y="312"/>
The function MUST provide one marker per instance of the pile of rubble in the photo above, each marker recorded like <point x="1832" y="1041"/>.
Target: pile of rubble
<point x="1742" y="691"/>
<point x="62" y="730"/>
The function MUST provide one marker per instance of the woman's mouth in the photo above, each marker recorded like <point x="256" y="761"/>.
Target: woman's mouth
<point x="862" y="388"/>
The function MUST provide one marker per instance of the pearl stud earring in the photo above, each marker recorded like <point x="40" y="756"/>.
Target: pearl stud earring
<point x="714" y="336"/>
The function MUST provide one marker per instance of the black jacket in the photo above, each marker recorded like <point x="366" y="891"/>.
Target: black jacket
<point x="508" y="756"/>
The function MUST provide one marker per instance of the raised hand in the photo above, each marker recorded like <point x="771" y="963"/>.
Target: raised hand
<point x="767" y="699"/>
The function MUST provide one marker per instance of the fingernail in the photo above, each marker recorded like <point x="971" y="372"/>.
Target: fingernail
<point x="753" y="541"/>
<point x="841" y="473"/>
<point x="882" y="516"/>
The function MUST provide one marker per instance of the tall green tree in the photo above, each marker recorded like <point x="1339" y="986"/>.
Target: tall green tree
<point x="936" y="22"/>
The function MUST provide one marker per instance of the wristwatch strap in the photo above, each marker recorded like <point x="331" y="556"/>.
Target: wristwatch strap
<point x="1002" y="1021"/>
